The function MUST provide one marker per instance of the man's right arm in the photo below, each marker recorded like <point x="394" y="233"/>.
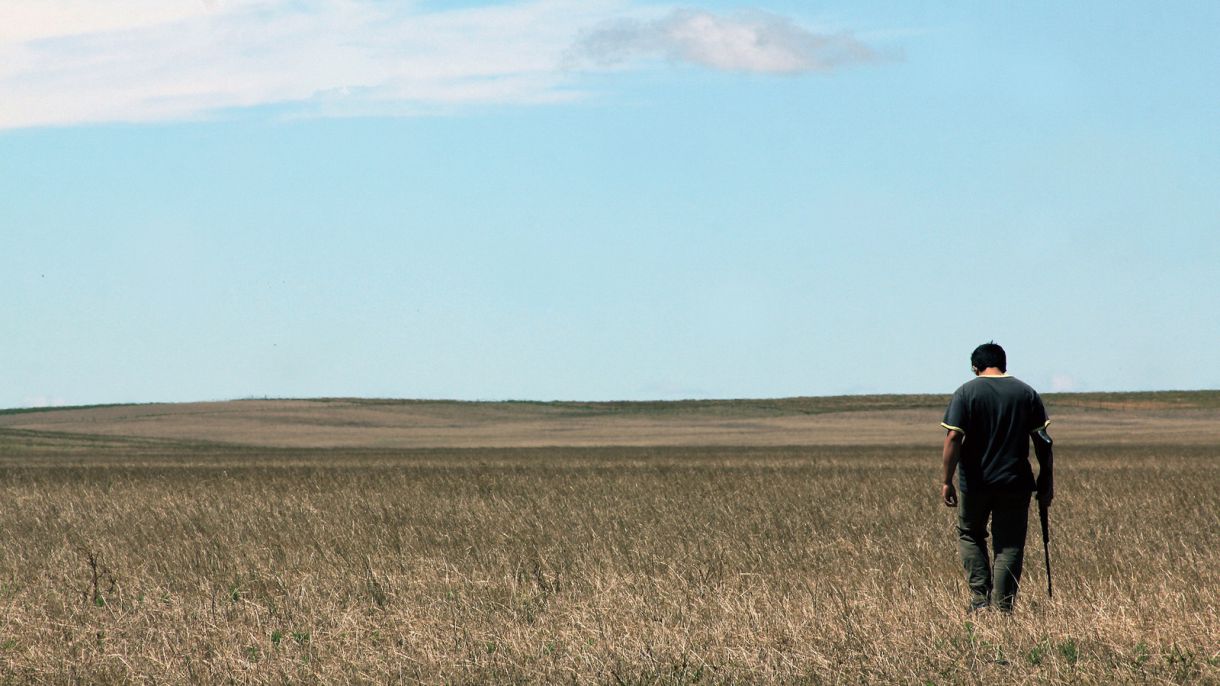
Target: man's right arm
<point x="1046" y="465"/>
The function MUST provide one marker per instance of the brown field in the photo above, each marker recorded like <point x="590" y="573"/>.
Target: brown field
<point x="793" y="540"/>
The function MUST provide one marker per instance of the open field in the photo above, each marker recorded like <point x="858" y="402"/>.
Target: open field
<point x="796" y="540"/>
<point x="1181" y="418"/>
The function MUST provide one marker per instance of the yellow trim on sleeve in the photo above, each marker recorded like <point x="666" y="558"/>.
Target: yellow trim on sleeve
<point x="1048" y="423"/>
<point x="953" y="428"/>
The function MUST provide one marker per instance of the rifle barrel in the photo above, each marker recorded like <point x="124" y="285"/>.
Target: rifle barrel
<point x="1044" y="515"/>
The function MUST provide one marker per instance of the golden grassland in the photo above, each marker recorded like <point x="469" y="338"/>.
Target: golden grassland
<point x="779" y="552"/>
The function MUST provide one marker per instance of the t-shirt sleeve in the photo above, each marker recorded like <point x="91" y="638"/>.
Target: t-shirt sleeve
<point x="1037" y="414"/>
<point x="956" y="417"/>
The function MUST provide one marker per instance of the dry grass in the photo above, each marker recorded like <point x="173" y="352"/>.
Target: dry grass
<point x="159" y="561"/>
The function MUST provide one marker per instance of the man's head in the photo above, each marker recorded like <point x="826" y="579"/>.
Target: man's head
<point x="989" y="355"/>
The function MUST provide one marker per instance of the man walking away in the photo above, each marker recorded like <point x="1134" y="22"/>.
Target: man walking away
<point x="990" y="422"/>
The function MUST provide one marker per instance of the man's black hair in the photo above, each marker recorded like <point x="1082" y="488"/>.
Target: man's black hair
<point x="989" y="355"/>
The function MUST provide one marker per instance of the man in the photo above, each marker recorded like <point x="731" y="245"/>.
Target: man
<point x="990" y="422"/>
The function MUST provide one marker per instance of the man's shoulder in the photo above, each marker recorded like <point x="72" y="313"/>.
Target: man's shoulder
<point x="1006" y="381"/>
<point x="969" y="385"/>
<point x="991" y="386"/>
<point x="1024" y="387"/>
<point x="972" y="386"/>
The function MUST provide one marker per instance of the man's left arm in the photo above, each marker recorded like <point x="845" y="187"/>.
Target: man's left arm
<point x="956" y="416"/>
<point x="950" y="457"/>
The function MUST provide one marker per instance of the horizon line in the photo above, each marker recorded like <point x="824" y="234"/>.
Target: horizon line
<point x="674" y="401"/>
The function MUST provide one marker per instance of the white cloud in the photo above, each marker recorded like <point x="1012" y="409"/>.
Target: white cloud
<point x="42" y="401"/>
<point x="70" y="62"/>
<point x="33" y="19"/>
<point x="67" y="62"/>
<point x="1063" y="383"/>
<point x="751" y="42"/>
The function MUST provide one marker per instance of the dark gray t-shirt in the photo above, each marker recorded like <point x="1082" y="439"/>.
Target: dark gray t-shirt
<point x="996" y="414"/>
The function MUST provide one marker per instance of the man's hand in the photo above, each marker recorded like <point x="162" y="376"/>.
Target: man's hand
<point x="1046" y="495"/>
<point x="949" y="494"/>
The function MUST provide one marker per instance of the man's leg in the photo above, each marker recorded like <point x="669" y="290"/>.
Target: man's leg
<point x="972" y="511"/>
<point x="1009" y="522"/>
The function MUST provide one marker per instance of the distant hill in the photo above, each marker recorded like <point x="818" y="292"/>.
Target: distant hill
<point x="1180" y="416"/>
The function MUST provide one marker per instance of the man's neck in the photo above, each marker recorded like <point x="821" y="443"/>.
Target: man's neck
<point x="992" y="371"/>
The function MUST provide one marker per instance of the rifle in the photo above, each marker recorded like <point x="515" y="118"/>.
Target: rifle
<point x="1042" y="446"/>
<point x="1044" y="515"/>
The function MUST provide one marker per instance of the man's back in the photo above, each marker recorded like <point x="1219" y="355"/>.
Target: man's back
<point x="996" y="414"/>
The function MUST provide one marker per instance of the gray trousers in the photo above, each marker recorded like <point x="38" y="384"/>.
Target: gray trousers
<point x="1009" y="515"/>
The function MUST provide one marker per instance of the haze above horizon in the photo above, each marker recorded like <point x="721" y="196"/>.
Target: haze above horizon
<point x="604" y="199"/>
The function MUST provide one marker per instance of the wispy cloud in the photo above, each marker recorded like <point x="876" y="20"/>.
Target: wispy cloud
<point x="1063" y="383"/>
<point x="334" y="56"/>
<point x="82" y="61"/>
<point x="750" y="42"/>
<point x="24" y="21"/>
<point x="39" y="401"/>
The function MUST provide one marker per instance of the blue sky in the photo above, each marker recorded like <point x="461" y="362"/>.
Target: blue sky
<point x="603" y="199"/>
